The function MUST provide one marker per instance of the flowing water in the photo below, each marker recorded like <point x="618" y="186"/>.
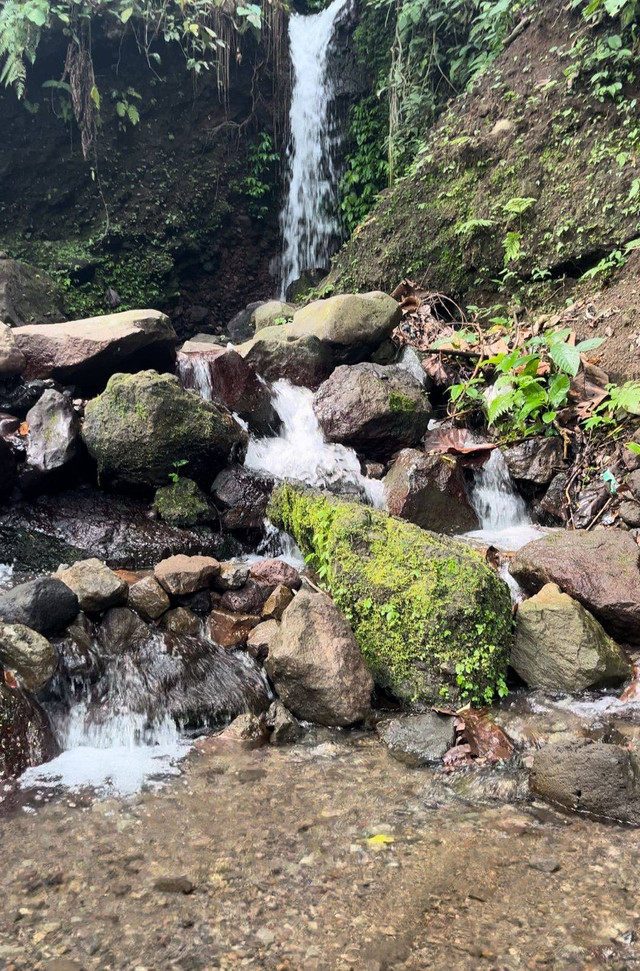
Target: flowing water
<point x="504" y="519"/>
<point x="309" y="221"/>
<point x="301" y="452"/>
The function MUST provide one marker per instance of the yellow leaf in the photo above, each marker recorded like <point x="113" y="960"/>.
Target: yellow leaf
<point x="380" y="839"/>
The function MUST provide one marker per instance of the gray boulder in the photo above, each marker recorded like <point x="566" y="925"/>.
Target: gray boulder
<point x="54" y="432"/>
<point x="45" y="604"/>
<point x="143" y="423"/>
<point x="316" y="665"/>
<point x="374" y="409"/>
<point x="534" y="462"/>
<point x="26" y="738"/>
<point x="430" y="491"/>
<point x="27" y="295"/>
<point x="28" y="655"/>
<point x="418" y="739"/>
<point x="273" y="313"/>
<point x="285" y="728"/>
<point x="560" y="646"/>
<point x="598" y="568"/>
<point x="589" y="777"/>
<point x="241" y="495"/>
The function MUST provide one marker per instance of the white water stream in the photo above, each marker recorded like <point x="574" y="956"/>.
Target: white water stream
<point x="309" y="222"/>
<point x="504" y="519"/>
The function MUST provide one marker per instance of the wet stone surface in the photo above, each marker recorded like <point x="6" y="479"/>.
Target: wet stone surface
<point x="324" y="856"/>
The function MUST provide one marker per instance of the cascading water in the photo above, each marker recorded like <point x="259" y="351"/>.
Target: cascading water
<point x="309" y="221"/>
<point x="301" y="451"/>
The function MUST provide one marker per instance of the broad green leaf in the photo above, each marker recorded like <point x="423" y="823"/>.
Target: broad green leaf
<point x="125" y="16"/>
<point x="565" y="357"/>
<point x="589" y="345"/>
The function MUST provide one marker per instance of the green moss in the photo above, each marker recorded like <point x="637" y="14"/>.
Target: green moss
<point x="401" y="402"/>
<point x="427" y="611"/>
<point x="182" y="504"/>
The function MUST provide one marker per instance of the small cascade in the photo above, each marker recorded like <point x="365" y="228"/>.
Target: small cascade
<point x="119" y="711"/>
<point x="301" y="452"/>
<point x="503" y="514"/>
<point x="309" y="222"/>
<point x="194" y="373"/>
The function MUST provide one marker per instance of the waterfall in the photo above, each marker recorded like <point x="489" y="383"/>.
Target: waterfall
<point x="309" y="221"/>
<point x="504" y="519"/>
<point x="301" y="452"/>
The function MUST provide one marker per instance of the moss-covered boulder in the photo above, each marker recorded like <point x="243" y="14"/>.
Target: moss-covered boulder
<point x="182" y="504"/>
<point x="143" y="424"/>
<point x="431" y="618"/>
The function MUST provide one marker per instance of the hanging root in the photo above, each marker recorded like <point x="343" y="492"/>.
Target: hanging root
<point x="79" y="70"/>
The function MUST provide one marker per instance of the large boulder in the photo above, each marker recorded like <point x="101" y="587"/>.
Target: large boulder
<point x="54" y="433"/>
<point x="316" y="665"/>
<point x="429" y="490"/>
<point x="221" y="375"/>
<point x="26" y="738"/>
<point x="272" y="313"/>
<point x="560" y="646"/>
<point x="12" y="360"/>
<point x="45" y="604"/>
<point x="142" y="424"/>
<point x="241" y="496"/>
<point x="341" y="330"/>
<point x="599" y="568"/>
<point x="372" y="408"/>
<point x="27" y="655"/>
<point x="95" y="585"/>
<point x="432" y="619"/>
<point x="589" y="777"/>
<point x="85" y="352"/>
<point x="27" y="295"/>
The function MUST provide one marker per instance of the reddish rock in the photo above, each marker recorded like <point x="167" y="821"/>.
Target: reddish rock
<point x="430" y="491"/>
<point x="275" y="572"/>
<point x="277" y="603"/>
<point x="249" y="599"/>
<point x="181" y="574"/>
<point x="25" y="735"/>
<point x="260" y="638"/>
<point x="230" y="630"/>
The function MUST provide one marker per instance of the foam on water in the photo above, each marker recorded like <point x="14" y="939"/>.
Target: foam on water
<point x="301" y="452"/>
<point x="6" y="576"/>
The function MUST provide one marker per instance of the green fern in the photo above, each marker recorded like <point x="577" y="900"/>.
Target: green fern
<point x="20" y="28"/>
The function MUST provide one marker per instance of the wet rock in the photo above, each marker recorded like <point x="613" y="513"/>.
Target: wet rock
<point x="199" y="602"/>
<point x="95" y="585"/>
<point x="554" y="502"/>
<point x="430" y="491"/>
<point x="277" y="603"/>
<point x="629" y="512"/>
<point x="589" y="777"/>
<point x="78" y="524"/>
<point x="246" y="730"/>
<point x="285" y="728"/>
<point x="143" y="423"/>
<point x="373" y="470"/>
<point x="545" y="864"/>
<point x="180" y="620"/>
<point x="148" y="598"/>
<point x="27" y="295"/>
<point x="534" y="462"/>
<point x="54" y="432"/>
<point x="84" y="352"/>
<point x="560" y="646"/>
<point x="232" y="576"/>
<point x="77" y="653"/>
<point x="46" y="605"/>
<point x="26" y="738"/>
<point x="407" y="592"/>
<point x="170" y="884"/>
<point x="18" y="396"/>
<point x="239" y="327"/>
<point x="316" y="665"/>
<point x="121" y="631"/>
<point x="221" y="375"/>
<point x="249" y="599"/>
<point x="272" y="314"/>
<point x="307" y="280"/>
<point x="241" y="495"/>
<point x="180" y="574"/>
<point x="230" y="630"/>
<point x="7" y="469"/>
<point x="260" y="638"/>
<point x="418" y="739"/>
<point x="341" y="330"/>
<point x="28" y="655"/>
<point x="274" y="572"/>
<point x="598" y="568"/>
<point x="374" y="409"/>
<point x="12" y="360"/>
<point x="183" y="504"/>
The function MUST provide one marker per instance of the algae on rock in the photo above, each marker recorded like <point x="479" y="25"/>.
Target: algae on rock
<point x="431" y="618"/>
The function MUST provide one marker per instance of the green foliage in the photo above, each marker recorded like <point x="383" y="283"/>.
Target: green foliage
<point x="259" y="184"/>
<point x="177" y="465"/>
<point x="621" y="402"/>
<point x="367" y="168"/>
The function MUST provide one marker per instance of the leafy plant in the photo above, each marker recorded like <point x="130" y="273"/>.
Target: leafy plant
<point x="259" y="183"/>
<point x="177" y="465"/>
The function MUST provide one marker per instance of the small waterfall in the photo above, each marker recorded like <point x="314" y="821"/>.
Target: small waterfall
<point x="118" y="707"/>
<point x="194" y="372"/>
<point x="301" y="452"/>
<point x="309" y="221"/>
<point x="504" y="519"/>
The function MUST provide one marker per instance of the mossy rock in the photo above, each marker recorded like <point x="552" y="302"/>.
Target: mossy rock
<point x="431" y="618"/>
<point x="144" y="423"/>
<point x="182" y="504"/>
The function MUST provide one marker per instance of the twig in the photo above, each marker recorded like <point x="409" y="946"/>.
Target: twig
<point x="598" y="515"/>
